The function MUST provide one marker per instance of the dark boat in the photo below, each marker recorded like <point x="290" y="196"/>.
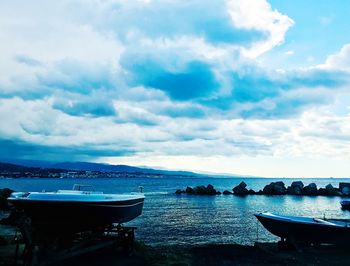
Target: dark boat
<point x="345" y="204"/>
<point x="76" y="210"/>
<point x="306" y="229"/>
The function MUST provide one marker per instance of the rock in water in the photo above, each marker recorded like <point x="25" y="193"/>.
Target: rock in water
<point x="240" y="189"/>
<point x="189" y="190"/>
<point x="199" y="190"/>
<point x="310" y="190"/>
<point x="332" y="191"/>
<point x="345" y="191"/>
<point x="344" y="188"/>
<point x="275" y="188"/>
<point x="296" y="188"/>
<point x="322" y="192"/>
<point x="251" y="192"/>
<point x="297" y="184"/>
<point x="210" y="190"/>
<point x="179" y="191"/>
<point x="226" y="192"/>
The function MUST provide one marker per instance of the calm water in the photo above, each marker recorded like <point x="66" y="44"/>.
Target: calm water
<point x="171" y="219"/>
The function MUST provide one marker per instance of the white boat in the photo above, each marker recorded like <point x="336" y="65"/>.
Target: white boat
<point x="76" y="209"/>
<point x="306" y="229"/>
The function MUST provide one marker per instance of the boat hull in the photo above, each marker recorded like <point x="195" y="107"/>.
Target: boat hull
<point x="306" y="232"/>
<point x="79" y="215"/>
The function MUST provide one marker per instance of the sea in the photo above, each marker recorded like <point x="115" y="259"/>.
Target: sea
<point x="170" y="219"/>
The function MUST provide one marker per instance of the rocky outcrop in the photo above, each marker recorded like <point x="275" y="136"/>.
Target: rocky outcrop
<point x="251" y="192"/>
<point x="296" y="188"/>
<point x="322" y="192"/>
<point x="275" y="188"/>
<point x="241" y="189"/>
<point x="344" y="188"/>
<point x="332" y="191"/>
<point x="199" y="190"/>
<point x="310" y="190"/>
<point x="189" y="190"/>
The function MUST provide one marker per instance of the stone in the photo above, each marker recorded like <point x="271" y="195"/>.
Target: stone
<point x="332" y="191"/>
<point x="275" y="188"/>
<point x="189" y="190"/>
<point x="260" y="192"/>
<point x="240" y="189"/>
<point x="343" y="184"/>
<point x="179" y="192"/>
<point x="322" y="192"/>
<point x="202" y="190"/>
<point x="310" y="190"/>
<point x="251" y="192"/>
<point x="297" y="184"/>
<point x="345" y="191"/>
<point x="344" y="188"/>
<point x="226" y="192"/>
<point x="295" y="189"/>
<point x="199" y="190"/>
<point x="210" y="190"/>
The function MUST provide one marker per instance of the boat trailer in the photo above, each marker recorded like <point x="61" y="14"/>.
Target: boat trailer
<point x="43" y="247"/>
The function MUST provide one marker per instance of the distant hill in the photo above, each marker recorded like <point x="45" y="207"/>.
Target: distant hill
<point x="15" y="171"/>
<point x="117" y="168"/>
<point x="86" y="166"/>
<point x="15" y="168"/>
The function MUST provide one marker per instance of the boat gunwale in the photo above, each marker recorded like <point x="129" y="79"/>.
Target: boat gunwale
<point x="86" y="197"/>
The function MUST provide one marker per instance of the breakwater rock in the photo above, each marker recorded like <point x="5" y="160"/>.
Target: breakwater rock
<point x="199" y="190"/>
<point x="274" y="188"/>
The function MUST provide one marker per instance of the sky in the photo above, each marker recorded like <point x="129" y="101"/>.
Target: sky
<point x="247" y="87"/>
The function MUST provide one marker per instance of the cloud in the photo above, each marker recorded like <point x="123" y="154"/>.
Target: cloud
<point x="78" y="77"/>
<point x="89" y="79"/>
<point x="183" y="49"/>
<point x="171" y="19"/>
<point x="27" y="60"/>
<point x="19" y="149"/>
<point x="195" y="80"/>
<point x="257" y="93"/>
<point x="79" y="105"/>
<point x="258" y="15"/>
<point x="340" y="60"/>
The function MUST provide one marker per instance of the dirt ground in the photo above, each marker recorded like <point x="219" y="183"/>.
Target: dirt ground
<point x="228" y="254"/>
<point x="218" y="254"/>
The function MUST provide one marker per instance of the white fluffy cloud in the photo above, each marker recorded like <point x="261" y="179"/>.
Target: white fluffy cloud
<point x="340" y="60"/>
<point x="162" y="79"/>
<point x="259" y="15"/>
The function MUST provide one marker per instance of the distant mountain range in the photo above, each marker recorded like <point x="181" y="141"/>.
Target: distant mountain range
<point x="86" y="166"/>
